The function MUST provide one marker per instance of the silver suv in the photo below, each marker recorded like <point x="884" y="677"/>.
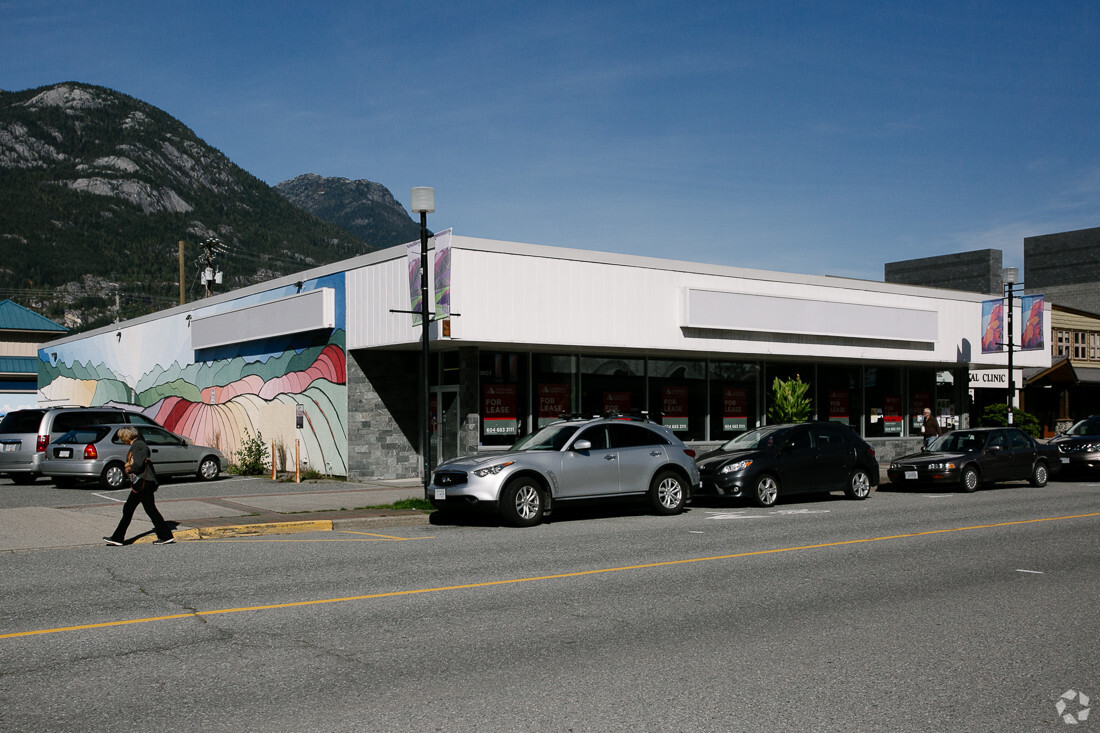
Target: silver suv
<point x="24" y="434"/>
<point x="567" y="460"/>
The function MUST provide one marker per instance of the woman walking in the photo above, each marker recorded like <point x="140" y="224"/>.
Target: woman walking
<point x="139" y="467"/>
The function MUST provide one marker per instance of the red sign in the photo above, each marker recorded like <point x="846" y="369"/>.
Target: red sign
<point x="838" y="405"/>
<point x="735" y="409"/>
<point x="892" y="418"/>
<point x="674" y="407"/>
<point x="553" y="402"/>
<point x="498" y="409"/>
<point x="616" y="402"/>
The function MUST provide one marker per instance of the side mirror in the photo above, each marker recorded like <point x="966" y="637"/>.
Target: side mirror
<point x="583" y="445"/>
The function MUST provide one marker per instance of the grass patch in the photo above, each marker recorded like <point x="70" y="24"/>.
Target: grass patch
<point x="413" y="503"/>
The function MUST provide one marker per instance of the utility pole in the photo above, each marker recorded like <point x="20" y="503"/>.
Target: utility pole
<point x="211" y="247"/>
<point x="183" y="295"/>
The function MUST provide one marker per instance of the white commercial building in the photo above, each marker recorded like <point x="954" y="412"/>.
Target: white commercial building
<point x="328" y="361"/>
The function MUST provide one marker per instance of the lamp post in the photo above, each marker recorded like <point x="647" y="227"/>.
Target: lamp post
<point x="423" y="201"/>
<point x="1010" y="275"/>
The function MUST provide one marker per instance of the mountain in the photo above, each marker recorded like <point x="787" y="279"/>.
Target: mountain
<point x="97" y="188"/>
<point x="364" y="208"/>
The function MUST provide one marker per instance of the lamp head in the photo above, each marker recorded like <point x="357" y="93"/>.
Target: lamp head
<point x="423" y="199"/>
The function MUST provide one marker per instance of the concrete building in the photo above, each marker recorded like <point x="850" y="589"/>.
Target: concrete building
<point x="329" y="360"/>
<point x="1066" y="267"/>
<point x="978" y="271"/>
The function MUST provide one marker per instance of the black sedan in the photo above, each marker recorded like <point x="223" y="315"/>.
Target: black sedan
<point x="799" y="458"/>
<point x="972" y="457"/>
<point x="1079" y="447"/>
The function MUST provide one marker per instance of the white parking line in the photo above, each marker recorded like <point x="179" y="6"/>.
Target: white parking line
<point x="111" y="498"/>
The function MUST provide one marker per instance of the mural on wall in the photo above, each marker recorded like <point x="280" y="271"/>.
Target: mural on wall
<point x="219" y="396"/>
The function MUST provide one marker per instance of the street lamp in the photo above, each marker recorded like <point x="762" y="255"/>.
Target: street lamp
<point x="423" y="201"/>
<point x="1010" y="275"/>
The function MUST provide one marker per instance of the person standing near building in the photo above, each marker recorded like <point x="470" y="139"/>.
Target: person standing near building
<point x="139" y="467"/>
<point x="931" y="427"/>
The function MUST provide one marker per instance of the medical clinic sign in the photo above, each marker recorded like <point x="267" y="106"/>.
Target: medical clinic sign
<point x="995" y="378"/>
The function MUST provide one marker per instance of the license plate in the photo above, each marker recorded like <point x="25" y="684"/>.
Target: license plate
<point x="64" y="452"/>
<point x="441" y="495"/>
<point x="911" y="475"/>
<point x="11" y="447"/>
<point x="1065" y="460"/>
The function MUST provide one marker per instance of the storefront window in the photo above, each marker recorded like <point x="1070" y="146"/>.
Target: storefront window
<point x="612" y="385"/>
<point x="840" y="394"/>
<point x="504" y="402"/>
<point x="734" y="398"/>
<point x="554" y="381"/>
<point x="785" y="371"/>
<point x="884" y="389"/>
<point x="922" y="391"/>
<point x="678" y="396"/>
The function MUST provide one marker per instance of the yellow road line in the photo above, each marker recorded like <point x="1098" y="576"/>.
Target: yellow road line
<point x="511" y="581"/>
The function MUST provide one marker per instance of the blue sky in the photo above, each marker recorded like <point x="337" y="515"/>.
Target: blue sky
<point x="813" y="137"/>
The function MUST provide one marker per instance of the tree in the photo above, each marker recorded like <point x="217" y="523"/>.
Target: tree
<point x="789" y="400"/>
<point x="996" y="416"/>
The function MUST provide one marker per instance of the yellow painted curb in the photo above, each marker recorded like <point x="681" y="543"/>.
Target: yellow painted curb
<point x="246" y="530"/>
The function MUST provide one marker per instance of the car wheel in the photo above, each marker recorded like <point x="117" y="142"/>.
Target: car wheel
<point x="766" y="491"/>
<point x="1039" y="475"/>
<point x="666" y="493"/>
<point x="23" y="479"/>
<point x="113" y="476"/>
<point x="859" y="485"/>
<point x="521" y="503"/>
<point x="970" y="479"/>
<point x="208" y="469"/>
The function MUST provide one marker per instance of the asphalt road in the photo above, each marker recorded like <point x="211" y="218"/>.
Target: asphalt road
<point x="906" y="612"/>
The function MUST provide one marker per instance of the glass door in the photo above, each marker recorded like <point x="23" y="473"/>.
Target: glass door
<point x="445" y="424"/>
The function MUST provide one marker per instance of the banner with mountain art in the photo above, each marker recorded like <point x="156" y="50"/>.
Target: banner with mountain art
<point x="1031" y="335"/>
<point x="992" y="325"/>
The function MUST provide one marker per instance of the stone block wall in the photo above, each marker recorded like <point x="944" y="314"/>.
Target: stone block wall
<point x="383" y="415"/>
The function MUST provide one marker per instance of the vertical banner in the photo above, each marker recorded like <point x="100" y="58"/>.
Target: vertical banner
<point x="413" y="251"/>
<point x="443" y="274"/>
<point x="992" y="325"/>
<point x="674" y="408"/>
<point x="1031" y="335"/>
<point x="735" y="409"/>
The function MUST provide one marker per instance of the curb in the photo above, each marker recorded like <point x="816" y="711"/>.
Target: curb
<point x="275" y="528"/>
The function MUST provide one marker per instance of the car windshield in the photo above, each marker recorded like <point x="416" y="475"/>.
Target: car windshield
<point x="1085" y="427"/>
<point x="758" y="439"/>
<point x="959" y="441"/>
<point x="84" y="435"/>
<point x="552" y="437"/>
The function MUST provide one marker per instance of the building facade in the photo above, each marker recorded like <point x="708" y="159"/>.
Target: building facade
<point x="1065" y="267"/>
<point x="21" y="332"/>
<point x="327" y="363"/>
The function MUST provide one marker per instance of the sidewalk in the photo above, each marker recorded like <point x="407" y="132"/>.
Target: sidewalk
<point x="312" y="506"/>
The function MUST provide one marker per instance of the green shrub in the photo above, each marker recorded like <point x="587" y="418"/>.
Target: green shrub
<point x="252" y="455"/>
<point x="996" y="416"/>
<point x="789" y="401"/>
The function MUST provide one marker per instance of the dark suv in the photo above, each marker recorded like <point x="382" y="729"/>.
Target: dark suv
<point x="24" y="434"/>
<point x="1079" y="447"/>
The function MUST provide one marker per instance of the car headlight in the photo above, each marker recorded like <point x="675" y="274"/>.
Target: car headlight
<point x="734" y="467"/>
<point x="492" y="470"/>
<point x="947" y="466"/>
